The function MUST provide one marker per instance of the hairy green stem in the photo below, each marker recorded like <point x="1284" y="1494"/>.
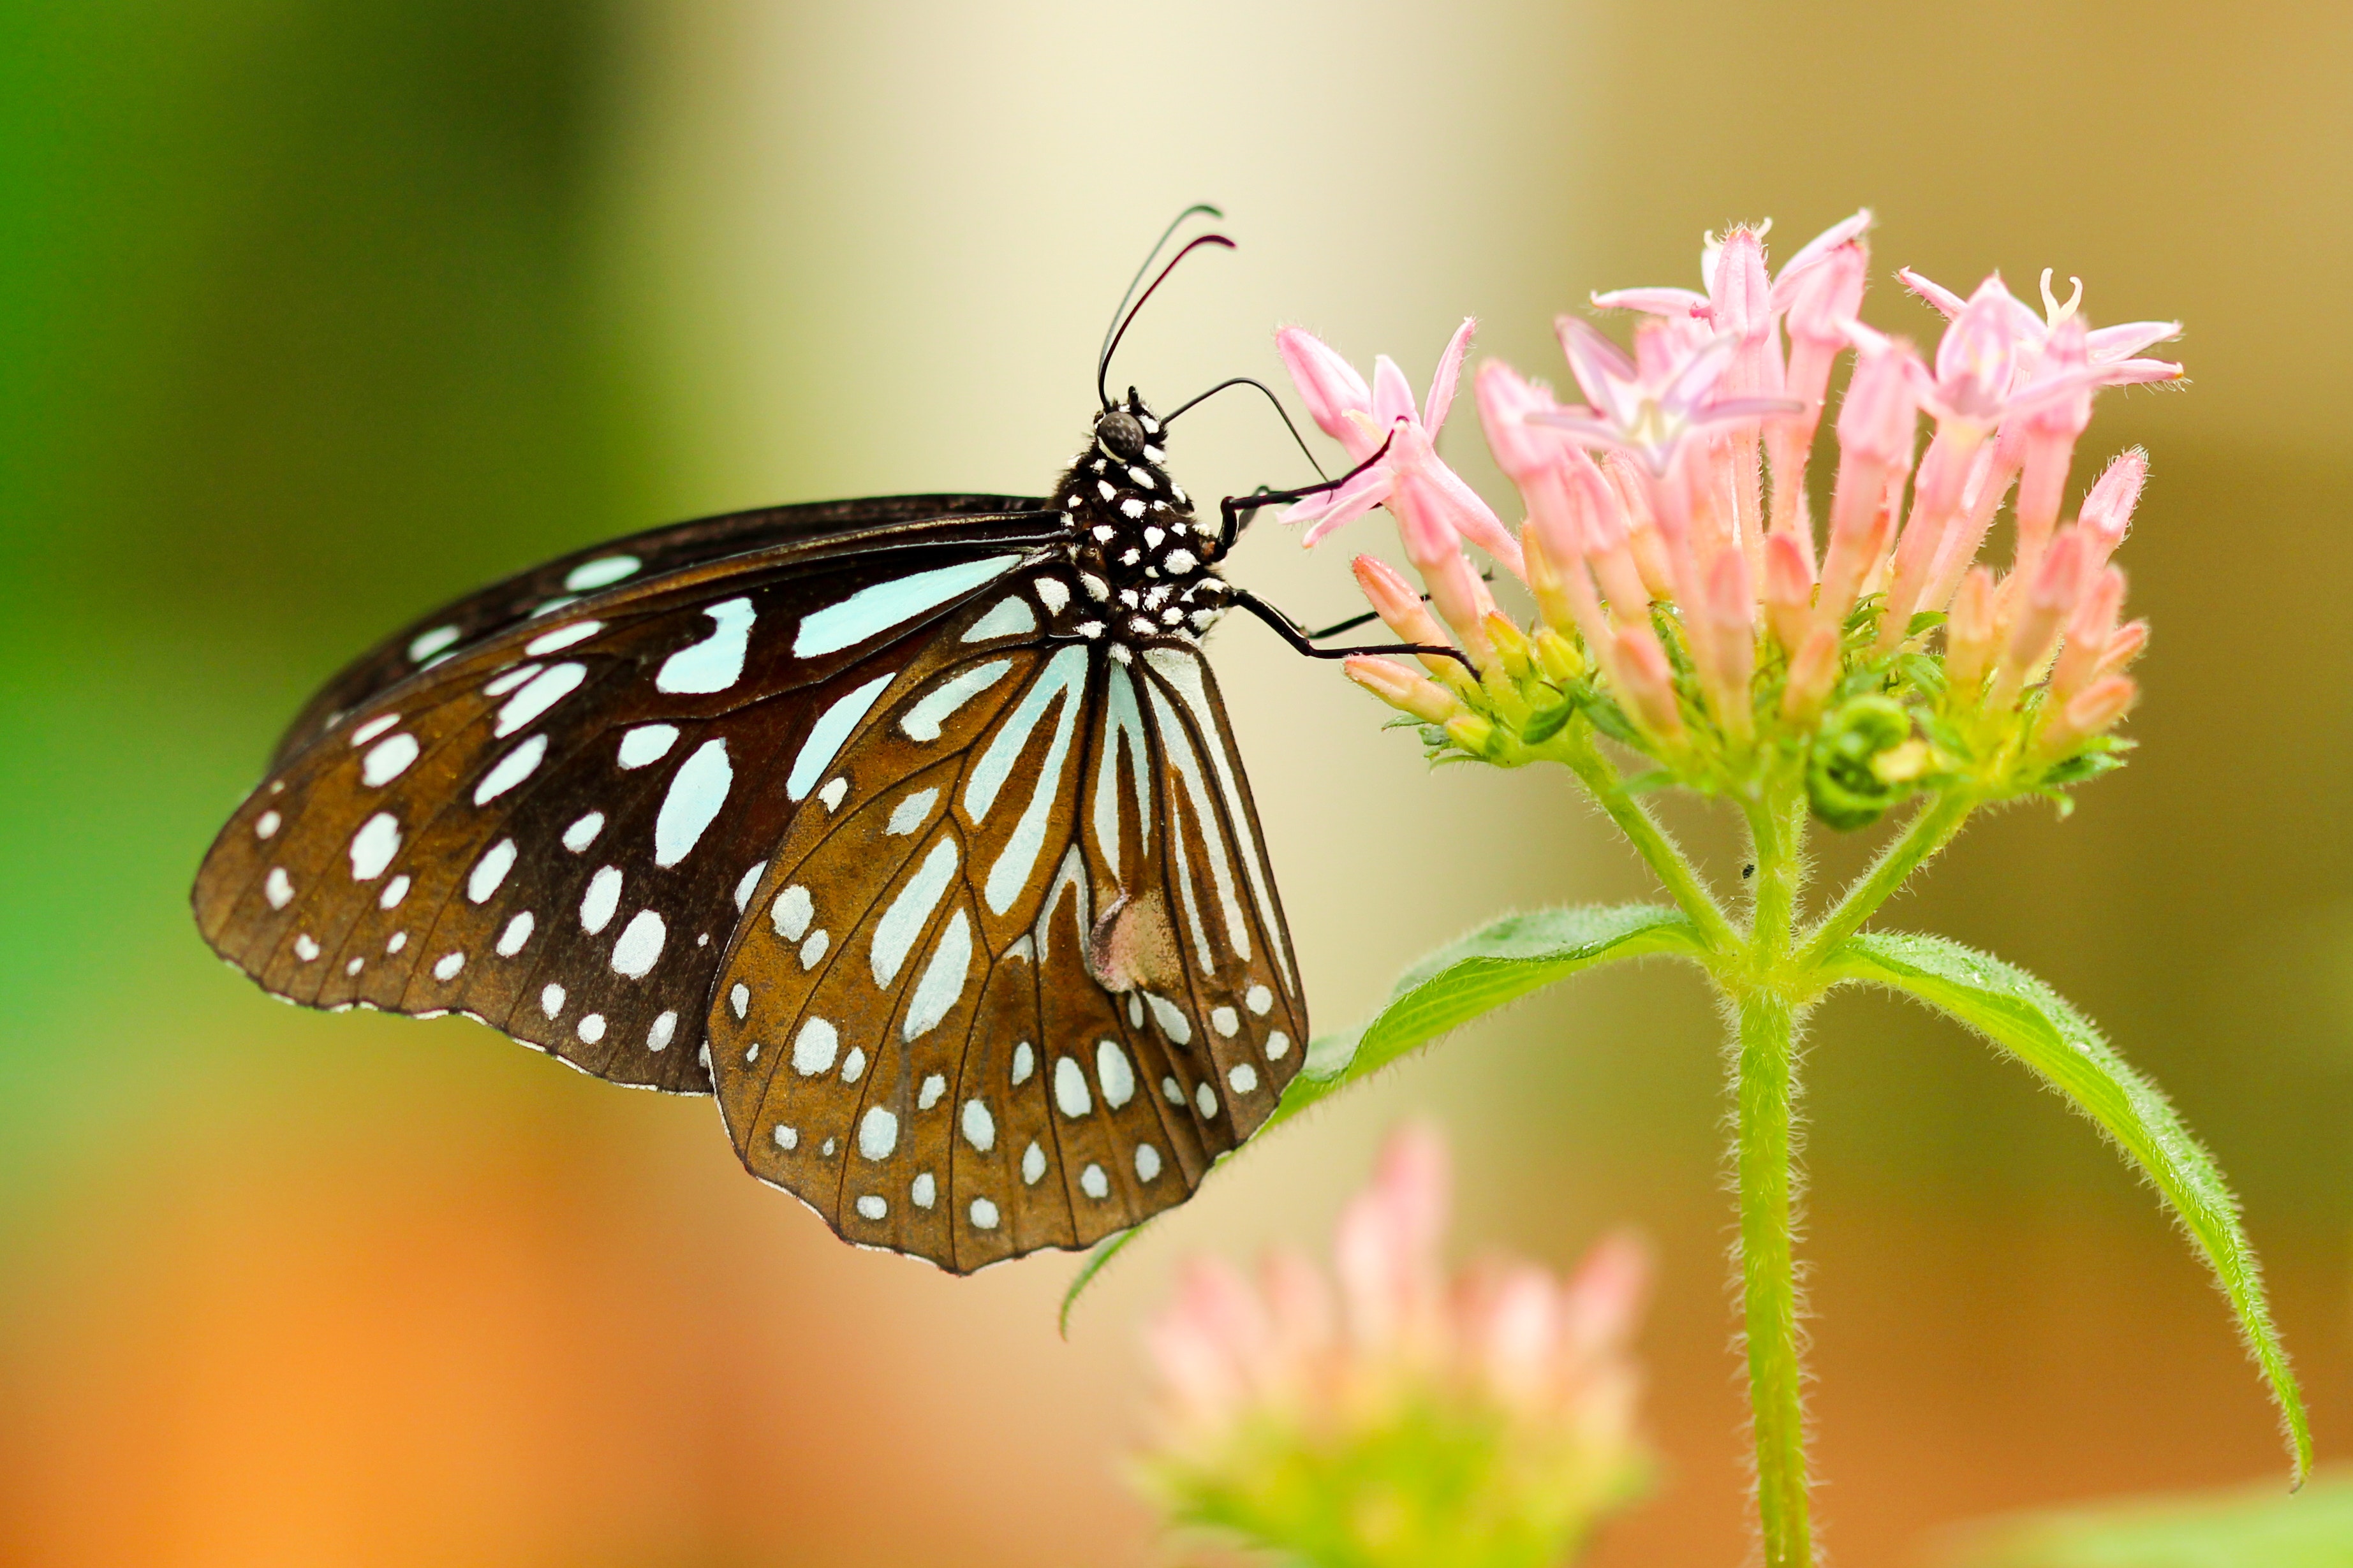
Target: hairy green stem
<point x="1767" y="1275"/>
<point x="1649" y="840"/>
<point x="1930" y="829"/>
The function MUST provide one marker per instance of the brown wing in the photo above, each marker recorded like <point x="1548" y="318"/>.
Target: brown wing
<point x="556" y="831"/>
<point x="1027" y="977"/>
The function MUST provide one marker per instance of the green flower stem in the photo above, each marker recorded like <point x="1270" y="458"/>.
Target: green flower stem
<point x="1768" y="1026"/>
<point x="1575" y="748"/>
<point x="1931" y="828"/>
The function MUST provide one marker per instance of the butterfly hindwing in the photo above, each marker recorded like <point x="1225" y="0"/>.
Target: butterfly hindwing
<point x="1050" y="984"/>
<point x="556" y="831"/>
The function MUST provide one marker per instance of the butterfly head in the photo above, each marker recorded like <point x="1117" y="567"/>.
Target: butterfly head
<point x="1127" y="432"/>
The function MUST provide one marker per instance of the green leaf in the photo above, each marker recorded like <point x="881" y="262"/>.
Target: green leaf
<point x="2243" y="1527"/>
<point x="1498" y="963"/>
<point x="2035" y="1024"/>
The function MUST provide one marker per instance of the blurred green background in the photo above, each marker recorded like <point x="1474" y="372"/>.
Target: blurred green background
<point x="312" y="314"/>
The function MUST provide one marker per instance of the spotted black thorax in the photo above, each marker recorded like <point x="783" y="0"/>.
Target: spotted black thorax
<point x="1144" y="558"/>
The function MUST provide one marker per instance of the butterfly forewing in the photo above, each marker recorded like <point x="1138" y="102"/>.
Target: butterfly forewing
<point x="557" y="830"/>
<point x="1024" y="978"/>
<point x="548" y="589"/>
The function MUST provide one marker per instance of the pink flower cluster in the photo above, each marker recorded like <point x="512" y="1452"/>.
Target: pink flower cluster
<point x="1549" y="1358"/>
<point x="1682" y="479"/>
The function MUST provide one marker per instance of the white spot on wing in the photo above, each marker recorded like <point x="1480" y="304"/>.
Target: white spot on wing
<point x="518" y="931"/>
<point x="934" y="1086"/>
<point x="1113" y="1073"/>
<point x="1147" y="1162"/>
<point x="658" y="1038"/>
<point x="1071" y="1088"/>
<point x="541" y="692"/>
<point x="1052" y="593"/>
<point x="1278" y="1046"/>
<point x="394" y="891"/>
<point x="877" y="1133"/>
<point x="510" y="770"/>
<point x="639" y="946"/>
<point x="426" y="643"/>
<point x="602" y="899"/>
<point x="592" y="1028"/>
<point x="385" y="760"/>
<point x="984" y="1214"/>
<point x="551" y="1000"/>
<point x="1225" y="1020"/>
<point x="1243" y="1078"/>
<point x="813" y="1048"/>
<point x="1033" y="1164"/>
<point x="1170" y="1018"/>
<point x="373" y="728"/>
<point x="1010" y="617"/>
<point x="924" y="1191"/>
<point x="445" y="968"/>
<point x="305" y="948"/>
<point x="911" y="912"/>
<point x="787" y="1138"/>
<point x="813" y="950"/>
<point x="832" y="793"/>
<point x="1258" y="1000"/>
<point x="563" y="637"/>
<point x="265" y="824"/>
<point x="716" y="662"/>
<point x="874" y="610"/>
<point x="373" y="845"/>
<point x="507" y="680"/>
<point x="1093" y="1182"/>
<point x="601" y="573"/>
<point x="490" y="871"/>
<point x="825" y="739"/>
<point x="745" y="886"/>
<point x="935" y="706"/>
<point x="872" y="1208"/>
<point x="582" y="833"/>
<point x="647" y="744"/>
<point x="944" y="979"/>
<point x="278" y="887"/>
<point x="791" y="911"/>
<point x="912" y="813"/>
<point x="1025" y="1062"/>
<point x="695" y="796"/>
<point x="979" y="1126"/>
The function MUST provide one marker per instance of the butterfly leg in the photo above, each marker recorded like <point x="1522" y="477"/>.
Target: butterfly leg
<point x="1303" y="640"/>
<point x="1238" y="511"/>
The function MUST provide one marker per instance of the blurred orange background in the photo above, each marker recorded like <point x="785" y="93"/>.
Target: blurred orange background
<point x="314" y="314"/>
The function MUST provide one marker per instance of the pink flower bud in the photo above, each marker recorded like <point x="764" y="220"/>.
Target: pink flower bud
<point x="1978" y="357"/>
<point x="1788" y="589"/>
<point x="2130" y="641"/>
<point x="1401" y="609"/>
<point x="2049" y="598"/>
<point x="1971" y="633"/>
<point x="1728" y="656"/>
<point x="1402" y="688"/>
<point x="2088" y="631"/>
<point x="2107" y="511"/>
<point x="2094" y="710"/>
<point x="1813" y="670"/>
<point x="1647" y="682"/>
<point x="1506" y="398"/>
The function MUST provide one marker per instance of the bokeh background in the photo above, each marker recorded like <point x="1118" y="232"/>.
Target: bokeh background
<point x="314" y="312"/>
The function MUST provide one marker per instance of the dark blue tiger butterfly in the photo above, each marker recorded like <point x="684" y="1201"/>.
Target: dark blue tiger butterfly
<point x="913" y="827"/>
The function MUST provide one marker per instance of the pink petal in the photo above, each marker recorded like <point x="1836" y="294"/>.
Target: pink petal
<point x="1741" y="302"/>
<point x="1697" y="375"/>
<point x="1343" y="506"/>
<point x="2108" y="344"/>
<point x="1450" y="370"/>
<point x="1936" y="294"/>
<point x="1469" y="515"/>
<point x="1602" y="368"/>
<point x="1505" y="399"/>
<point x="1822" y="245"/>
<point x="1392" y="394"/>
<point x="1327" y="384"/>
<point x="1653" y="301"/>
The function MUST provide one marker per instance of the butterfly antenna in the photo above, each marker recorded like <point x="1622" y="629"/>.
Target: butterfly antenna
<point x="1280" y="412"/>
<point x="1103" y="355"/>
<point x="1103" y="367"/>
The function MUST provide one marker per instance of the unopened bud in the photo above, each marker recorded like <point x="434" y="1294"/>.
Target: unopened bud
<point x="1557" y="655"/>
<point x="2093" y="710"/>
<point x="1401" y="609"/>
<point x="2130" y="643"/>
<point x="2049" y="598"/>
<point x="1729" y="649"/>
<point x="1510" y="644"/>
<point x="1472" y="734"/>
<point x="1811" y="674"/>
<point x="1403" y="689"/>
<point x="2107" y="511"/>
<point x="1788" y="588"/>
<point x="1649" y="681"/>
<point x="2088" y="631"/>
<point x="1969" y="633"/>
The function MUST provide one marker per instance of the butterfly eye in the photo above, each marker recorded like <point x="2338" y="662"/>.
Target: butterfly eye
<point x="1120" y="435"/>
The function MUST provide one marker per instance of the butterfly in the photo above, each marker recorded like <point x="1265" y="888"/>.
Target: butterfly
<point x="912" y="829"/>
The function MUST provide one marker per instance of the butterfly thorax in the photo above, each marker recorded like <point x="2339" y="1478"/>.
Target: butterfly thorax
<point x="1142" y="556"/>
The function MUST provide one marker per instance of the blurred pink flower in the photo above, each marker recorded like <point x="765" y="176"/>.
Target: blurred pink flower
<point x="1304" y="1418"/>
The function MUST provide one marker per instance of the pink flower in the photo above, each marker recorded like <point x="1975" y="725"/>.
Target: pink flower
<point x="1649" y="404"/>
<point x="1432" y="505"/>
<point x="1278" y="1392"/>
